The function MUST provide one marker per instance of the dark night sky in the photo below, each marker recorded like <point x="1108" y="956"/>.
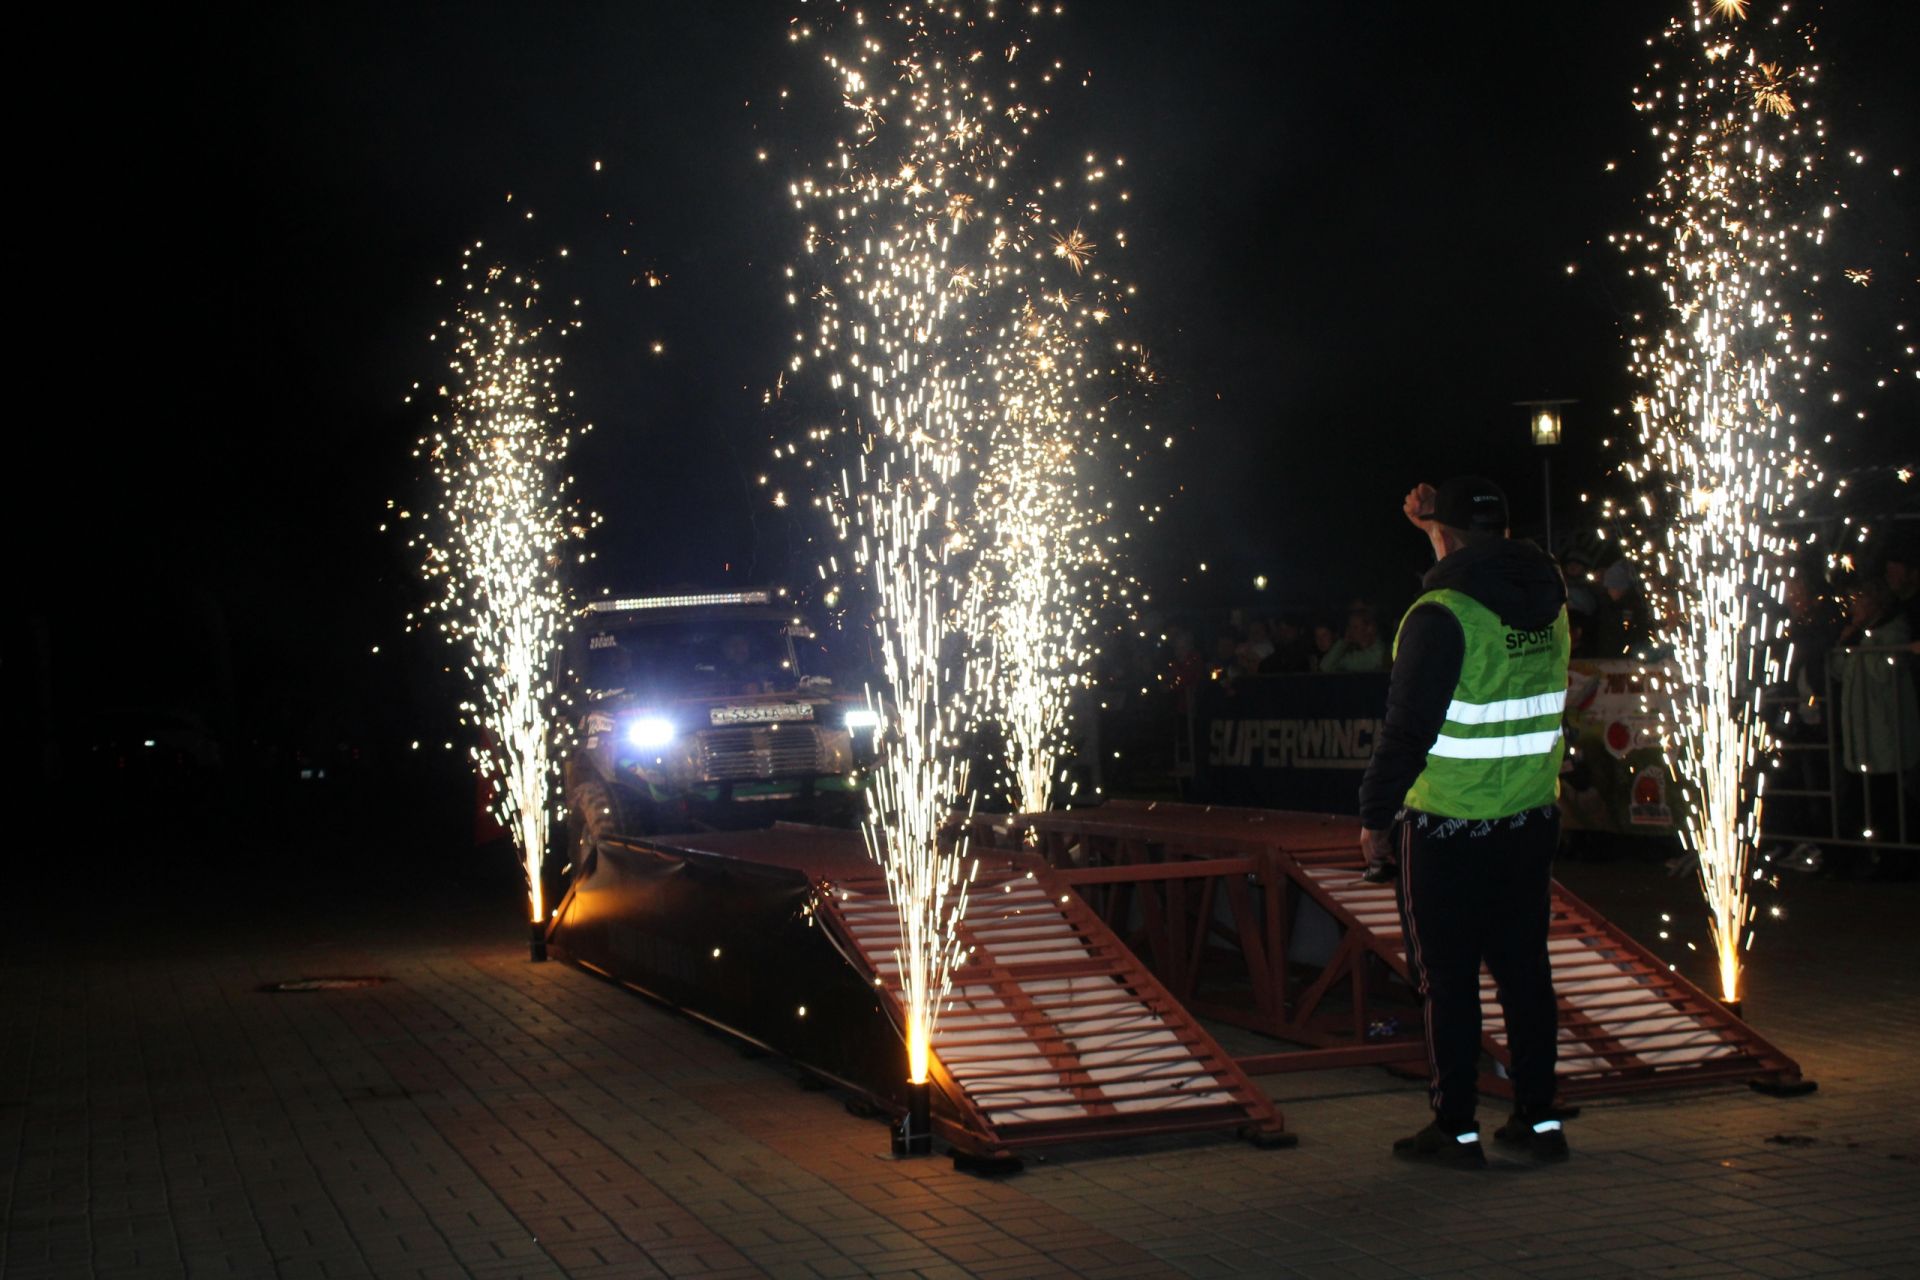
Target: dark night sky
<point x="1351" y="224"/>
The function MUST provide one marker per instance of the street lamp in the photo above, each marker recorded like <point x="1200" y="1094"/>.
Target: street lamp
<point x="1543" y="420"/>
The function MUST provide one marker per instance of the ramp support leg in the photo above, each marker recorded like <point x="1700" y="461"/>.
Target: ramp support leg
<point x="1783" y="1086"/>
<point x="1271" y="1136"/>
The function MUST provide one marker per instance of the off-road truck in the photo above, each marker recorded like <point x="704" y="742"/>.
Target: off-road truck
<point x="700" y="711"/>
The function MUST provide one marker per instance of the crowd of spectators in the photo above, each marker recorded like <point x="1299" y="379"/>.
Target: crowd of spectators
<point x="1608" y="610"/>
<point x="1239" y="643"/>
<point x="1848" y="715"/>
<point x="1607" y="605"/>
<point x="1848" y="690"/>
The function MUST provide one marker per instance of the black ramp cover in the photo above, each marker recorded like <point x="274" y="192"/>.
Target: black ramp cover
<point x="732" y="941"/>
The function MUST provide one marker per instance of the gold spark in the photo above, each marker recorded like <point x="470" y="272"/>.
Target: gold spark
<point x="1861" y="276"/>
<point x="1731" y="10"/>
<point x="1770" y="92"/>
<point x="1075" y="248"/>
<point x="959" y="209"/>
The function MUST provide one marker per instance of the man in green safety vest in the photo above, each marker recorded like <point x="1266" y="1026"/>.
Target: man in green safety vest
<point x="1458" y="804"/>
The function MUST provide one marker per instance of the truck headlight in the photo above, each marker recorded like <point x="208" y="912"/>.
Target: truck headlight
<point x="861" y="718"/>
<point x="649" y="732"/>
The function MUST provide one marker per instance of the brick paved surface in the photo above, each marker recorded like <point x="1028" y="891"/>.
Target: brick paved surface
<point x="477" y="1115"/>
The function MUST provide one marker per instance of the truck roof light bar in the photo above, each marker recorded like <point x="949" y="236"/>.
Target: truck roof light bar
<point x="629" y="603"/>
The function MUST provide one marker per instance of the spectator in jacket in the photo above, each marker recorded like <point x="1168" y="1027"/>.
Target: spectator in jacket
<point x="1902" y="571"/>
<point x="1622" y="628"/>
<point x="1879" y="717"/>
<point x="1292" y="647"/>
<point x="1324" y="638"/>
<point x="1361" y="648"/>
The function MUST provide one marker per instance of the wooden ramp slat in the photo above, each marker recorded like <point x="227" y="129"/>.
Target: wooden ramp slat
<point x="1627" y="1020"/>
<point x="1053" y="1031"/>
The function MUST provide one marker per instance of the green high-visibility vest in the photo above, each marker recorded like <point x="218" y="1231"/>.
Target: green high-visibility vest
<point x="1499" y="751"/>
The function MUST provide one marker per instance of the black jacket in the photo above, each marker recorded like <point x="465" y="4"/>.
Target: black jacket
<point x="1523" y="587"/>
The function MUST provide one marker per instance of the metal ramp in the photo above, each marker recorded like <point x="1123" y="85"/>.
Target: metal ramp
<point x="1627" y="1022"/>
<point x="1053" y="1031"/>
<point x="1212" y="898"/>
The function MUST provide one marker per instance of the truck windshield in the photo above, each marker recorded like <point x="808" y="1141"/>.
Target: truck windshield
<point x="692" y="659"/>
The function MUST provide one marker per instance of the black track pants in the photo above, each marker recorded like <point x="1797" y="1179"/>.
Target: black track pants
<point x="1473" y="891"/>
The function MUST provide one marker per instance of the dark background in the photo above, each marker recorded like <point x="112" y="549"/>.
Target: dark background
<point x="1351" y="225"/>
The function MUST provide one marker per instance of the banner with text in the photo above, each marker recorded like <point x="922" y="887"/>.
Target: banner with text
<point x="1286" y="742"/>
<point x="1302" y="742"/>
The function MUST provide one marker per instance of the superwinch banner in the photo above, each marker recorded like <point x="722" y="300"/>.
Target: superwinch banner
<point x="1302" y="742"/>
<point x="1286" y="742"/>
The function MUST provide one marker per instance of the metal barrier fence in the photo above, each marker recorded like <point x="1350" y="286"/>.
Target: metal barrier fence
<point x="1848" y="756"/>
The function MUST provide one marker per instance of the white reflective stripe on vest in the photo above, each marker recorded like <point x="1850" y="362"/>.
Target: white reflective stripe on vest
<point x="1514" y="744"/>
<point x="1540" y="704"/>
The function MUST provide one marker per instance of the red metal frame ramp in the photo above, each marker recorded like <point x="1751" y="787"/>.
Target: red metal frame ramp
<point x="1627" y="1021"/>
<point x="1211" y="898"/>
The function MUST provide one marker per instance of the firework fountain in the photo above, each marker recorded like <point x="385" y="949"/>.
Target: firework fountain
<point x="1050" y="566"/>
<point x="1037" y="621"/>
<point x="1722" y="457"/>
<point x="492" y="546"/>
<point x="956" y="365"/>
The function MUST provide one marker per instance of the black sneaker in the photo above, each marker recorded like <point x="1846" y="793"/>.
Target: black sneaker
<point x="1545" y="1140"/>
<point x="1433" y="1145"/>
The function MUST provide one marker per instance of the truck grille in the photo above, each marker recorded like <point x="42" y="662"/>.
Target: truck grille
<point x="733" y="754"/>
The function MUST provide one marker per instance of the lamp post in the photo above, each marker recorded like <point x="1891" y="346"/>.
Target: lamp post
<point x="1543" y="421"/>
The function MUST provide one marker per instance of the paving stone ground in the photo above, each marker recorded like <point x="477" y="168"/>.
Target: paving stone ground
<point x="478" y="1115"/>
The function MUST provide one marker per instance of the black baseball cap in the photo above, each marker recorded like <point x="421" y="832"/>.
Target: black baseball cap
<point x="1471" y="502"/>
